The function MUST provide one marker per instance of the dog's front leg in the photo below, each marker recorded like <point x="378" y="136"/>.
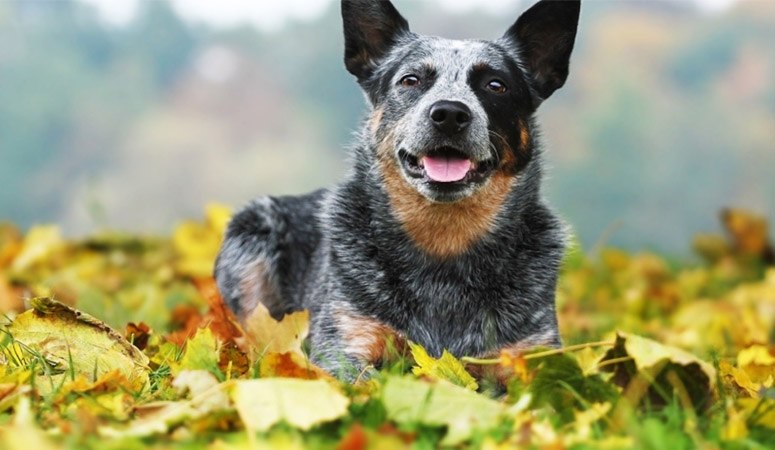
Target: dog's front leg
<point x="349" y="345"/>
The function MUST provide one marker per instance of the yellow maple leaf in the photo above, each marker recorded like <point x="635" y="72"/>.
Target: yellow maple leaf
<point x="267" y="335"/>
<point x="447" y="367"/>
<point x="197" y="243"/>
<point x="755" y="369"/>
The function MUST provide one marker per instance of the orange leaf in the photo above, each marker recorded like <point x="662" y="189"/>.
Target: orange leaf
<point x="355" y="439"/>
<point x="516" y="361"/>
<point x="186" y="319"/>
<point x="219" y="318"/>
<point x="289" y="365"/>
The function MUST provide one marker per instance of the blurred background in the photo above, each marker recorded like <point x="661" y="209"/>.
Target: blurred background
<point x="131" y="114"/>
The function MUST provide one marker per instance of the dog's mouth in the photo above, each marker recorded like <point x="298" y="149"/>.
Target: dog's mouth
<point x="445" y="165"/>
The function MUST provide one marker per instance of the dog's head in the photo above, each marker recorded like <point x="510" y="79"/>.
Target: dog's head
<point x="449" y="113"/>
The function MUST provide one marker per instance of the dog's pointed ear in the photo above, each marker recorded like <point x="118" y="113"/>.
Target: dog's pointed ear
<point x="545" y="34"/>
<point x="371" y="27"/>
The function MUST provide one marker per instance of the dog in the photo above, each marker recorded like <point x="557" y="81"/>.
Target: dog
<point x="439" y="234"/>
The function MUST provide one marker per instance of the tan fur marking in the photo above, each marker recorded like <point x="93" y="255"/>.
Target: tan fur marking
<point x="440" y="229"/>
<point x="375" y="120"/>
<point x="256" y="287"/>
<point x="367" y="339"/>
<point x="524" y="135"/>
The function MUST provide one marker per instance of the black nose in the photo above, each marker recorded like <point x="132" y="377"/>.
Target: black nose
<point x="450" y="117"/>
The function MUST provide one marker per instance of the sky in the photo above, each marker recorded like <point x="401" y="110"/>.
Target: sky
<point x="271" y="15"/>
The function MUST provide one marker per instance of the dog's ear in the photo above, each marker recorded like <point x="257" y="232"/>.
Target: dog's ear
<point x="544" y="35"/>
<point x="371" y="27"/>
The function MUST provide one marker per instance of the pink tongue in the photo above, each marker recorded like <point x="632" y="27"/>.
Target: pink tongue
<point x="444" y="169"/>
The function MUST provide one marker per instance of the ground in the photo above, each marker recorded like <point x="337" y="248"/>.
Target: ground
<point x="121" y="341"/>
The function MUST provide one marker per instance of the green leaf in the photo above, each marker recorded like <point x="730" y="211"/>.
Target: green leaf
<point x="650" y="370"/>
<point x="446" y="368"/>
<point x="441" y="404"/>
<point x="303" y="404"/>
<point x="561" y="383"/>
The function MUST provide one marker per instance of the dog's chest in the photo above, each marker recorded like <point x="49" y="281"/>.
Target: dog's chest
<point x="461" y="311"/>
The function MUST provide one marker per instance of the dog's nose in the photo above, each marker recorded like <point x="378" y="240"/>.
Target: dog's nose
<point x="450" y="117"/>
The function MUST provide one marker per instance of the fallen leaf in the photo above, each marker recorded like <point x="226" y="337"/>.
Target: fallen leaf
<point x="641" y="365"/>
<point x="203" y="388"/>
<point x="10" y="393"/>
<point x="302" y="404"/>
<point x="517" y="364"/>
<point x="220" y="319"/>
<point x="267" y="335"/>
<point x="24" y="433"/>
<point x="77" y="343"/>
<point x="446" y="368"/>
<point x="197" y="244"/>
<point x="185" y="320"/>
<point x="289" y="365"/>
<point x="207" y="397"/>
<point x="442" y="403"/>
<point x="232" y="361"/>
<point x="559" y="381"/>
<point x="355" y="439"/>
<point x="138" y="334"/>
<point x="755" y="370"/>
<point x="201" y="353"/>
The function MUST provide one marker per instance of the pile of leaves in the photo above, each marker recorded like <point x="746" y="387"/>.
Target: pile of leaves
<point x="122" y="342"/>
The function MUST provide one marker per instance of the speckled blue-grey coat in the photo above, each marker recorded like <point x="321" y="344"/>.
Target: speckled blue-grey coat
<point x="439" y="233"/>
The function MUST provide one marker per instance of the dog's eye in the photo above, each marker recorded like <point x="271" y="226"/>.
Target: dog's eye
<point x="497" y="86"/>
<point x="410" y="81"/>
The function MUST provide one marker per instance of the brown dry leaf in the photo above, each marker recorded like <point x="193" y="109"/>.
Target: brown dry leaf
<point x="232" y="361"/>
<point x="266" y="335"/>
<point x="138" y="334"/>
